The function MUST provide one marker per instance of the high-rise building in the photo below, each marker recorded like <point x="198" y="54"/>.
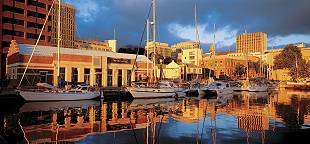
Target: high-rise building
<point x="22" y="20"/>
<point x="251" y="42"/>
<point x="162" y="49"/>
<point x="67" y="24"/>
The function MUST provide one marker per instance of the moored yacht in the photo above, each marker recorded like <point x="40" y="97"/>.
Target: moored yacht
<point x="216" y="89"/>
<point x="79" y="93"/>
<point x="160" y="90"/>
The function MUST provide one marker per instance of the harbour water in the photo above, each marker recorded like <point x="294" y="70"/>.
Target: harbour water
<point x="276" y="117"/>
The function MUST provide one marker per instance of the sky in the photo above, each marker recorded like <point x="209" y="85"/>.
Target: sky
<point x="284" y="21"/>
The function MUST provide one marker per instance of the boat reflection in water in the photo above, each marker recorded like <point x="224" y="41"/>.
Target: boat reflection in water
<point x="241" y="118"/>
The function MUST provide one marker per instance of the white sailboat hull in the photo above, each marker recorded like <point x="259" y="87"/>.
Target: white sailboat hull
<point x="57" y="96"/>
<point x="216" y="88"/>
<point x="152" y="92"/>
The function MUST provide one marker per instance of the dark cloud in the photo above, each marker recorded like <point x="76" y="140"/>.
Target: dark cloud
<point x="276" y="17"/>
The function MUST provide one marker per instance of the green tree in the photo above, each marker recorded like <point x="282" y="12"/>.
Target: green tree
<point x="291" y="58"/>
<point x="240" y="70"/>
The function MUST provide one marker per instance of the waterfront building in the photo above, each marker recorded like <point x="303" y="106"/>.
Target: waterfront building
<point x="179" y="47"/>
<point x="162" y="49"/>
<point x="107" y="69"/>
<point x="22" y="20"/>
<point x="192" y="56"/>
<point x="112" y="44"/>
<point x="282" y="74"/>
<point x="95" y="45"/>
<point x="182" y="71"/>
<point x="67" y="24"/>
<point x="251" y="42"/>
<point x="224" y="64"/>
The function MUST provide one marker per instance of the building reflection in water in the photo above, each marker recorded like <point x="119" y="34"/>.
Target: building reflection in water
<point x="256" y="113"/>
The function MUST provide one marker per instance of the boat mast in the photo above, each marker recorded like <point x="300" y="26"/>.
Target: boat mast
<point x="147" y="46"/>
<point x="196" y="25"/>
<point x="247" y="62"/>
<point x="196" y="30"/>
<point x="154" y="38"/>
<point x="214" y="49"/>
<point x="58" y="43"/>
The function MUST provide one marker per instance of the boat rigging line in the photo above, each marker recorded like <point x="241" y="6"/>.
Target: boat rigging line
<point x="141" y="40"/>
<point x="34" y="48"/>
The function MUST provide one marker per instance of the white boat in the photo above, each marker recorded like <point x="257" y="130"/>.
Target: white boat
<point x="161" y="90"/>
<point x="80" y="93"/>
<point x="216" y="89"/>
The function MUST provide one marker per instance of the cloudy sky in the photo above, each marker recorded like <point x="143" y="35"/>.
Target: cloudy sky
<point x="285" y="21"/>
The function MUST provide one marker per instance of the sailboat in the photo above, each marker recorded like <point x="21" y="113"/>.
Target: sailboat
<point x="259" y="84"/>
<point x="215" y="88"/>
<point x="159" y="89"/>
<point x="80" y="93"/>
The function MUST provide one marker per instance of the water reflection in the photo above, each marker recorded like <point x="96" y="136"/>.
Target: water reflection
<point x="239" y="118"/>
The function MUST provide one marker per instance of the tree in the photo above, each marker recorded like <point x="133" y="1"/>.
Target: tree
<point x="240" y="70"/>
<point x="291" y="58"/>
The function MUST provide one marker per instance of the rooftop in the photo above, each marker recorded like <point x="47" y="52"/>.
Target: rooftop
<point x="26" y="49"/>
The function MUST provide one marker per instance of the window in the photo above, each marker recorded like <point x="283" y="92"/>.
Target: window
<point x="22" y="1"/>
<point x="128" y="77"/>
<point x="35" y="14"/>
<point x="34" y="25"/>
<point x="110" y="77"/>
<point x="35" y="36"/>
<point x="36" y="3"/>
<point x="5" y="44"/>
<point x="13" y="33"/>
<point x="62" y="72"/>
<point x="12" y="21"/>
<point x="12" y="9"/>
<point x="119" y="78"/>
<point x="86" y="75"/>
<point x="74" y="75"/>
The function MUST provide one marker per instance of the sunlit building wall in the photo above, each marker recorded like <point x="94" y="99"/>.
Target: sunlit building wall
<point x="251" y="42"/>
<point x="192" y="56"/>
<point x="67" y="24"/>
<point x="161" y="49"/>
